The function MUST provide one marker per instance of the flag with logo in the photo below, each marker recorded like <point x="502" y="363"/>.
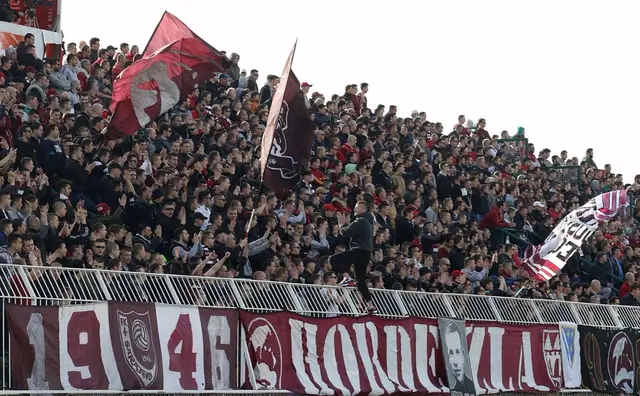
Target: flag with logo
<point x="570" y="353"/>
<point x="286" y="143"/>
<point x="153" y="85"/>
<point x="548" y="259"/>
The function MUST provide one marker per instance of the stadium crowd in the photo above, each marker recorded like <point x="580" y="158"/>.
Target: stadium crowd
<point x="455" y="208"/>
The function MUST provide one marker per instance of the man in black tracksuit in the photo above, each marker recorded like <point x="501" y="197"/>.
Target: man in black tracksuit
<point x="360" y="233"/>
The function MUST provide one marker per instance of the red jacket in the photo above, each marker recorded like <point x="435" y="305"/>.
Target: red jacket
<point x="624" y="289"/>
<point x="318" y="177"/>
<point x="493" y="219"/>
<point x="83" y="80"/>
<point x="117" y="69"/>
<point x="516" y="260"/>
<point x="357" y="103"/>
<point x="345" y="152"/>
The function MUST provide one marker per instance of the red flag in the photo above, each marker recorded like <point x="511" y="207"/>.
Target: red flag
<point x="286" y="143"/>
<point x="169" y="29"/>
<point x="152" y="86"/>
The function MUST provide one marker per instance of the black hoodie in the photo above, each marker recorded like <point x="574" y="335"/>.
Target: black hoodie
<point x="360" y="232"/>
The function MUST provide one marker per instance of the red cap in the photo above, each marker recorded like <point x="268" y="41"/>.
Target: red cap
<point x="305" y="84"/>
<point x="456" y="273"/>
<point x="102" y="208"/>
<point x="329" y="207"/>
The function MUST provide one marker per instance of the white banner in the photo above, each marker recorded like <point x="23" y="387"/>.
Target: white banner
<point x="570" y="352"/>
<point x="11" y="34"/>
<point x="564" y="241"/>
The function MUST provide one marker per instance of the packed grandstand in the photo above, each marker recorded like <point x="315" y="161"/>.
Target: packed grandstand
<point x="458" y="209"/>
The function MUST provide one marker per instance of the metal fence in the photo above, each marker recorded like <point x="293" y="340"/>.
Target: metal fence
<point x="513" y="149"/>
<point x="567" y="174"/>
<point x="60" y="286"/>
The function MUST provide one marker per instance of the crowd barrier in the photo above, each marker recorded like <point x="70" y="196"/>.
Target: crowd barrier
<point x="60" y="287"/>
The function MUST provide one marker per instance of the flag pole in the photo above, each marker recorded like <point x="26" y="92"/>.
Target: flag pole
<point x="526" y="283"/>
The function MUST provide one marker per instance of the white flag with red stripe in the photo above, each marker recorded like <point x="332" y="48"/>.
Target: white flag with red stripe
<point x="565" y="240"/>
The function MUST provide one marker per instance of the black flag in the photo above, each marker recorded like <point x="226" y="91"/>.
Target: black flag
<point x="286" y="143"/>
<point x="609" y="359"/>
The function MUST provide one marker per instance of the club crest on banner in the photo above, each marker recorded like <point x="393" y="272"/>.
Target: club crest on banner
<point x="136" y="339"/>
<point x="279" y="160"/>
<point x="567" y="337"/>
<point x="146" y="86"/>
<point x="551" y="353"/>
<point x="267" y="353"/>
<point x="620" y="362"/>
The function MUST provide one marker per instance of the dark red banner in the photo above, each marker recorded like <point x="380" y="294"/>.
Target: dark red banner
<point x="388" y="356"/>
<point x="40" y="14"/>
<point x="123" y="346"/>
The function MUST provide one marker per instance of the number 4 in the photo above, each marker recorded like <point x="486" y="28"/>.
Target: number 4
<point x="183" y="361"/>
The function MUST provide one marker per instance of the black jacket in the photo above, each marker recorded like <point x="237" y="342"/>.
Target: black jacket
<point x="629" y="300"/>
<point x="360" y="232"/>
<point x="465" y="387"/>
<point x="443" y="183"/>
<point x="53" y="157"/>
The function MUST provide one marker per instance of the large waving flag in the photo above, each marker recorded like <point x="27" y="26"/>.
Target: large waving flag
<point x="169" y="29"/>
<point x="155" y="84"/>
<point x="286" y="143"/>
<point x="549" y="258"/>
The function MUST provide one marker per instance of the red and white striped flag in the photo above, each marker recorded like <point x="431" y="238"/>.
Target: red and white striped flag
<point x="549" y="258"/>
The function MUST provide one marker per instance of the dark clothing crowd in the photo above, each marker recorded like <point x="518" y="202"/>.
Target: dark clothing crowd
<point x="455" y="207"/>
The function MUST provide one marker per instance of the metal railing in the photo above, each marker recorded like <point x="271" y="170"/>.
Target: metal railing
<point x="568" y="174"/>
<point x="42" y="286"/>
<point x="513" y="149"/>
<point x="61" y="286"/>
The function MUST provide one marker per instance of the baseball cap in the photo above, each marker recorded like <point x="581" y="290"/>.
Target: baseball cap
<point x="199" y="216"/>
<point x="305" y="84"/>
<point x="456" y="273"/>
<point x="102" y="208"/>
<point x="156" y="194"/>
<point x="222" y="75"/>
<point x="330" y="207"/>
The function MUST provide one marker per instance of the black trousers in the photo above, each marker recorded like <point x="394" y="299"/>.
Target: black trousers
<point x="340" y="263"/>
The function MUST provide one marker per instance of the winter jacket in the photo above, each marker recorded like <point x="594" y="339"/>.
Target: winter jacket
<point x="360" y="232"/>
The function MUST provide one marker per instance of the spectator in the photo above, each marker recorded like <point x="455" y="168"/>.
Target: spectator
<point x="633" y="297"/>
<point x="178" y="196"/>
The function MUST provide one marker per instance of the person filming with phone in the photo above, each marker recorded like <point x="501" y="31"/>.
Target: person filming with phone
<point x="360" y="233"/>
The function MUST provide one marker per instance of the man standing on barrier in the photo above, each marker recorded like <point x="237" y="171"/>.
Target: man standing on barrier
<point x="360" y="233"/>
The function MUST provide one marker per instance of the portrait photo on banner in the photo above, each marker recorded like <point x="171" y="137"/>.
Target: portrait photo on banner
<point x="456" y="356"/>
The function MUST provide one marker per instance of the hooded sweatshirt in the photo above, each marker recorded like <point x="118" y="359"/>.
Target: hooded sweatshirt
<point x="360" y="232"/>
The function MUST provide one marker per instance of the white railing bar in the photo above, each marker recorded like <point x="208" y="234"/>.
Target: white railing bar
<point x="67" y="285"/>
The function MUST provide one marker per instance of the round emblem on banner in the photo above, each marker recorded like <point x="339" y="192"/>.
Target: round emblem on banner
<point x="267" y="349"/>
<point x="140" y="335"/>
<point x="620" y="362"/>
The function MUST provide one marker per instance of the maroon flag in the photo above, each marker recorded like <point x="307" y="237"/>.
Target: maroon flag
<point x="153" y="85"/>
<point x="169" y="29"/>
<point x="286" y="144"/>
